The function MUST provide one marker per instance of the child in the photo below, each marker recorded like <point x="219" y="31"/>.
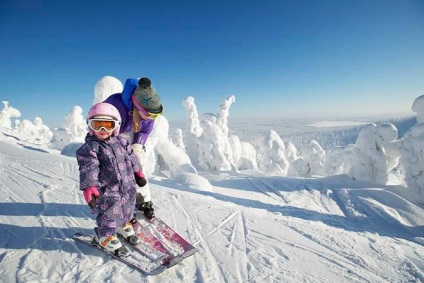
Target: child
<point x="109" y="173"/>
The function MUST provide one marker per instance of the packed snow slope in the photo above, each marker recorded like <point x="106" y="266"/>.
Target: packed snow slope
<point x="247" y="228"/>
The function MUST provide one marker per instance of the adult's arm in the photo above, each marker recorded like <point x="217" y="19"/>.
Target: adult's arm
<point x="146" y="127"/>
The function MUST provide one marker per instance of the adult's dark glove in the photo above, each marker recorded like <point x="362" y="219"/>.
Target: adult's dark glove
<point x="140" y="179"/>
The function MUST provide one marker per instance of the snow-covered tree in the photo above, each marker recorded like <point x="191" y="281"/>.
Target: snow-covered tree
<point x="222" y="122"/>
<point x="271" y="158"/>
<point x="207" y="140"/>
<point x="297" y="164"/>
<point x="75" y="124"/>
<point x="211" y="146"/>
<point x="338" y="160"/>
<point x="35" y="132"/>
<point x="388" y="135"/>
<point x="6" y="114"/>
<point x="105" y="87"/>
<point x="412" y="152"/>
<point x="179" y="139"/>
<point x="162" y="154"/>
<point x="370" y="162"/>
<point x="314" y="156"/>
<point x="193" y="130"/>
<point x="244" y="154"/>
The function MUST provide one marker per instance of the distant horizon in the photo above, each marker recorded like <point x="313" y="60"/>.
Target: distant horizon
<point x="232" y="119"/>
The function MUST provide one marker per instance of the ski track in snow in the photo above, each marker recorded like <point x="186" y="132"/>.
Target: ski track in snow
<point x="213" y="271"/>
<point x="280" y="230"/>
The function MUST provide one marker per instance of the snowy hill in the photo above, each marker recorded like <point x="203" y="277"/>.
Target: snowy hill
<point x="248" y="228"/>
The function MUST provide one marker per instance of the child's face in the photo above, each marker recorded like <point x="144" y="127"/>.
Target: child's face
<point x="103" y="134"/>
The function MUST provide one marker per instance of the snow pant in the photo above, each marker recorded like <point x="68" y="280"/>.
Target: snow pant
<point x="138" y="151"/>
<point x="114" y="212"/>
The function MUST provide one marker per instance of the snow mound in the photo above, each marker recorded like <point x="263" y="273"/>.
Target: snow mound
<point x="193" y="181"/>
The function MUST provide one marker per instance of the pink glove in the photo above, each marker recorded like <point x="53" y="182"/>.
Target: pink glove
<point x="90" y="195"/>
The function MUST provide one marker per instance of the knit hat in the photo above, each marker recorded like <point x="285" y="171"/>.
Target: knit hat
<point x="147" y="96"/>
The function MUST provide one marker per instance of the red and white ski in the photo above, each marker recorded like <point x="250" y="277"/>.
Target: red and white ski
<point x="163" y="237"/>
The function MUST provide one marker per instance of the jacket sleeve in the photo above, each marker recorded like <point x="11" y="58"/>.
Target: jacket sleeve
<point x="146" y="127"/>
<point x="88" y="165"/>
<point x="135" y="164"/>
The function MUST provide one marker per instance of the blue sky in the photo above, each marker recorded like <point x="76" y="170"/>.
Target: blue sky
<point x="285" y="59"/>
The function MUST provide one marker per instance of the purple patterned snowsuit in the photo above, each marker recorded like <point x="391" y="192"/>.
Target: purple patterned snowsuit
<point x="109" y="165"/>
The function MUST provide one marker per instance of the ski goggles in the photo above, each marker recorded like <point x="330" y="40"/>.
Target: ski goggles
<point x="96" y="124"/>
<point x="149" y="115"/>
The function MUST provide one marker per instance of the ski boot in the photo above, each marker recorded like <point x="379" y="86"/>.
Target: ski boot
<point x="147" y="209"/>
<point x="111" y="244"/>
<point x="128" y="233"/>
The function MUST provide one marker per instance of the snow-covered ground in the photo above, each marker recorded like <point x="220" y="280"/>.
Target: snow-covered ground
<point x="247" y="227"/>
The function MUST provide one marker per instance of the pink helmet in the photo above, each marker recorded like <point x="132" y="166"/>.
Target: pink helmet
<point x="105" y="109"/>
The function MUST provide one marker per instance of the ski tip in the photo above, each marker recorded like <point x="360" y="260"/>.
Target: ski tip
<point x="190" y="252"/>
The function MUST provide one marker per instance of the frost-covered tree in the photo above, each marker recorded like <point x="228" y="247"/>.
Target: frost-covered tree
<point x="412" y="152"/>
<point x="244" y="154"/>
<point x="36" y="132"/>
<point x="207" y="141"/>
<point x="211" y="146"/>
<point x="388" y="135"/>
<point x="75" y="125"/>
<point x="271" y="158"/>
<point x="222" y="122"/>
<point x="161" y="154"/>
<point x="105" y="87"/>
<point x="6" y="114"/>
<point x="193" y="130"/>
<point x="370" y="162"/>
<point x="314" y="156"/>
<point x="74" y="130"/>
<point x="291" y="152"/>
<point x="179" y="139"/>
<point x="297" y="164"/>
<point x="338" y="160"/>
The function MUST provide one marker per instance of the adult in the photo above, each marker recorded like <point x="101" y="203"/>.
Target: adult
<point x="139" y="105"/>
